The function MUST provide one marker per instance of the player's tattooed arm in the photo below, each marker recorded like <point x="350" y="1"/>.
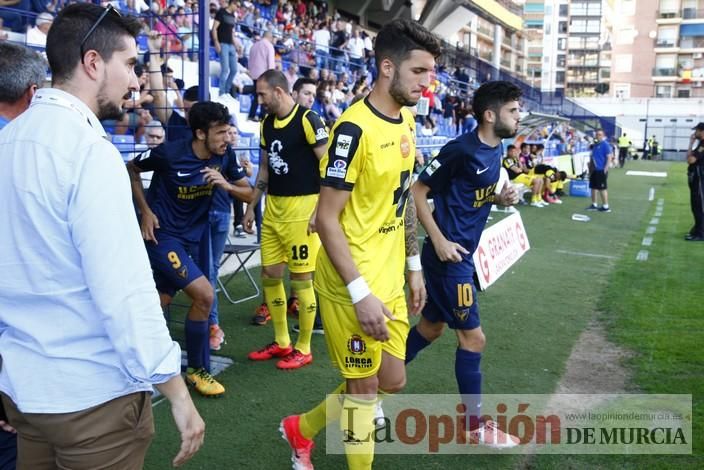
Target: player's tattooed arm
<point x="261" y="185"/>
<point x="411" y="224"/>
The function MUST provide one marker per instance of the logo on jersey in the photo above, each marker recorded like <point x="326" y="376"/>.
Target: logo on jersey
<point x="338" y="169"/>
<point x="432" y="167"/>
<point x="356" y="345"/>
<point x="178" y="173"/>
<point x="277" y="163"/>
<point x="321" y="134"/>
<point x="143" y="156"/>
<point x="405" y="146"/>
<point x="183" y="272"/>
<point x="461" y="314"/>
<point x="344" y="142"/>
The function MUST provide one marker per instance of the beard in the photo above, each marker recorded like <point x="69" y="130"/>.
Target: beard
<point x="503" y="130"/>
<point x="398" y="93"/>
<point x="106" y="108"/>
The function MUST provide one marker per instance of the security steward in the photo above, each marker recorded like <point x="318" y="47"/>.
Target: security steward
<point x="695" y="176"/>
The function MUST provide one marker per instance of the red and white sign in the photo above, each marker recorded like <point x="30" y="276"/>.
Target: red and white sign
<point x="500" y="246"/>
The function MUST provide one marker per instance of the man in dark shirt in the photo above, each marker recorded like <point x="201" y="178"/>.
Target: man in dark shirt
<point x="695" y="177"/>
<point x="175" y="218"/>
<point x="224" y="44"/>
<point x="338" y="44"/>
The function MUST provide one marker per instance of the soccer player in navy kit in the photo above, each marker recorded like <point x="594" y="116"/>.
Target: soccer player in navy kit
<point x="462" y="181"/>
<point x="175" y="220"/>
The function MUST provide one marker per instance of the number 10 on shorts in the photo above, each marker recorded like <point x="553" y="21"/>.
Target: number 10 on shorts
<point x="464" y="295"/>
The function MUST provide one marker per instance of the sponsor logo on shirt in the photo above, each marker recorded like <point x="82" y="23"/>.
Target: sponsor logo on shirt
<point x="342" y="148"/>
<point x="405" y="146"/>
<point x="432" y="168"/>
<point x="321" y="134"/>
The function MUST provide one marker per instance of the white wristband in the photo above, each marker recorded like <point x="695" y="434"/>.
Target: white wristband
<point x="358" y="289"/>
<point x="413" y="263"/>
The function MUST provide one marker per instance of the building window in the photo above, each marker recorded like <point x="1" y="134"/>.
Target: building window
<point x="561" y="60"/>
<point x="683" y="93"/>
<point x="563" y="10"/>
<point x="562" y="44"/>
<point x="663" y="91"/>
<point x="560" y="77"/>
<point x="562" y="27"/>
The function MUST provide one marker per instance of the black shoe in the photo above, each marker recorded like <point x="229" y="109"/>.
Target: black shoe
<point x="697" y="238"/>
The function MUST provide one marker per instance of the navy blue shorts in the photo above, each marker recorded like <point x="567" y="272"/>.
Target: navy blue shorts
<point x="451" y="299"/>
<point x="176" y="262"/>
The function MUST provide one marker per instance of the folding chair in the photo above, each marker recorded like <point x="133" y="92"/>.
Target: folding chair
<point x="242" y="254"/>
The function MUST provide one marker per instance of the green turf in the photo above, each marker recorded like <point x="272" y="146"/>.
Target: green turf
<point x="532" y="317"/>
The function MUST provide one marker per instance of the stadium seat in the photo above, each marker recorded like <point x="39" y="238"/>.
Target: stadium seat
<point x="124" y="143"/>
<point x="242" y="254"/>
<point x="245" y="103"/>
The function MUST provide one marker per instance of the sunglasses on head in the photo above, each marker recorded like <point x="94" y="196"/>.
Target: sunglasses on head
<point x="108" y="10"/>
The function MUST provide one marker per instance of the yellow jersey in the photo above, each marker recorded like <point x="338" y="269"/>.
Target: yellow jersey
<point x="372" y="156"/>
<point x="294" y="182"/>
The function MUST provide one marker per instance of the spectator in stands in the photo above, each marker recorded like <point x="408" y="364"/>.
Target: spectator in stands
<point x="321" y="38"/>
<point x="338" y="44"/>
<point x="155" y="134"/>
<point x="37" y="36"/>
<point x="261" y="59"/>
<point x="176" y="124"/>
<point x="355" y="51"/>
<point x="12" y="18"/>
<point x="429" y="128"/>
<point x="291" y="75"/>
<point x="223" y="41"/>
<point x="99" y="367"/>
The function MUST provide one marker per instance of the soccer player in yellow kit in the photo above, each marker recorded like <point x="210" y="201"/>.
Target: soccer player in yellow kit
<point x="367" y="225"/>
<point x="293" y="140"/>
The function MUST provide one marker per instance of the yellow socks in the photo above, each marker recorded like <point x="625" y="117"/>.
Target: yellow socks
<point x="357" y="424"/>
<point x="275" y="296"/>
<point x="326" y="412"/>
<point x="306" y="313"/>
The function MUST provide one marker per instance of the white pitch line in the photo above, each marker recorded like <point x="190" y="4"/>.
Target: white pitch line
<point x="654" y="221"/>
<point x="642" y="255"/>
<point x="650" y="230"/>
<point x="647" y="241"/>
<point x="651" y="193"/>
<point x="589" y="255"/>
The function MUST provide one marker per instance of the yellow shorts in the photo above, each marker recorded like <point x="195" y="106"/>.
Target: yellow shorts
<point x="288" y="242"/>
<point x="524" y="179"/>
<point x="355" y="354"/>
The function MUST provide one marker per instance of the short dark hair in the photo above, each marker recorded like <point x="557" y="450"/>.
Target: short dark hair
<point x="275" y="79"/>
<point x="191" y="93"/>
<point x="206" y="114"/>
<point x="303" y="81"/>
<point x="493" y="95"/>
<point x="524" y="144"/>
<point x="510" y="147"/>
<point x="397" y="39"/>
<point x="63" y="43"/>
<point x="20" y="69"/>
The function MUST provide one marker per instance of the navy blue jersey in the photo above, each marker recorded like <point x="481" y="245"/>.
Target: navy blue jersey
<point x="178" y="194"/>
<point x="462" y="181"/>
<point x="233" y="171"/>
<point x="177" y="128"/>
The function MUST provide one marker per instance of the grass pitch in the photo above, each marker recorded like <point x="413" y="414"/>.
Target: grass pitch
<point x="575" y="273"/>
